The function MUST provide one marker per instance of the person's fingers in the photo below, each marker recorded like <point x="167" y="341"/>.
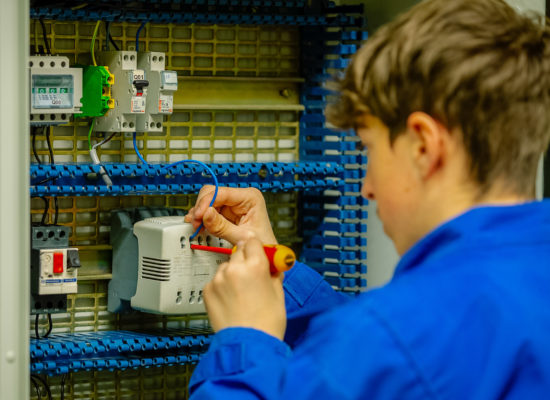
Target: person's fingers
<point x="210" y="295"/>
<point x="254" y="254"/>
<point x="207" y="291"/>
<point x="203" y="201"/>
<point x="228" y="213"/>
<point x="218" y="226"/>
<point x="196" y="213"/>
<point x="244" y="199"/>
<point x="189" y="216"/>
<point x="238" y="255"/>
<point x="222" y="266"/>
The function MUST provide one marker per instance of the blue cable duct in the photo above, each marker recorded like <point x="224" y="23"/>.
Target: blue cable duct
<point x="139" y="179"/>
<point x="340" y="269"/>
<point x="201" y="12"/>
<point x="333" y="241"/>
<point x="115" y="350"/>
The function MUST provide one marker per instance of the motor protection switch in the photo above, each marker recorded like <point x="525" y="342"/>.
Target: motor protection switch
<point x="55" y="271"/>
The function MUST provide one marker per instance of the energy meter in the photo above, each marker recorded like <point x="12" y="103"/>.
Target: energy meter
<point x="56" y="90"/>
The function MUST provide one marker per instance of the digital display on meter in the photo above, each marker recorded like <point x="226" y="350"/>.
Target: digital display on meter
<point x="52" y="91"/>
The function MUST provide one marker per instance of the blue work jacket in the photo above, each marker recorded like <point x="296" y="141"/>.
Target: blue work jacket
<point x="466" y="316"/>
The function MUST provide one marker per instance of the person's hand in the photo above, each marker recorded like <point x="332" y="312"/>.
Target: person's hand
<point x="243" y="293"/>
<point x="237" y="214"/>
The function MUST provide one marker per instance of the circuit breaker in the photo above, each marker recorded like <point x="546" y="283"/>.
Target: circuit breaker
<point x="129" y="92"/>
<point x="56" y="90"/>
<point x="54" y="269"/>
<point x="160" y="97"/>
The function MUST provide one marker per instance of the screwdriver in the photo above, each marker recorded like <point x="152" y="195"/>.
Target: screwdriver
<point x="281" y="258"/>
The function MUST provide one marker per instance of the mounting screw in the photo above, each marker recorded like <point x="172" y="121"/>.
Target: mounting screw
<point x="286" y="93"/>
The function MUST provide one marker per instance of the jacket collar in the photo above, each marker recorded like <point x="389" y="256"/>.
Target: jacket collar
<point x="482" y="225"/>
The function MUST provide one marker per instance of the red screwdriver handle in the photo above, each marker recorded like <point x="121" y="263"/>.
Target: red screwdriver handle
<point x="281" y="258"/>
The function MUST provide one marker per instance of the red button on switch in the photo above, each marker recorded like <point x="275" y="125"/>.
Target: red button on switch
<point x="57" y="263"/>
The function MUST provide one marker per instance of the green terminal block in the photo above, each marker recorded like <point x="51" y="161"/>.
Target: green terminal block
<point x="96" y="91"/>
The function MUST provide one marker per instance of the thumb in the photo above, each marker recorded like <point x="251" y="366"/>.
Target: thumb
<point x="218" y="226"/>
<point x="255" y="253"/>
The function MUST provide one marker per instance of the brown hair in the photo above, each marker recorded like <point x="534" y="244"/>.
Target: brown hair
<point x="475" y="65"/>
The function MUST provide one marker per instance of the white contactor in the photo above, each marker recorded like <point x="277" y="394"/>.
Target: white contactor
<point x="160" y="97"/>
<point x="171" y="276"/>
<point x="57" y="271"/>
<point x="129" y="92"/>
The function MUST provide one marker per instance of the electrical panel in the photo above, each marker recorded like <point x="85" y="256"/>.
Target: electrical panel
<point x="54" y="267"/>
<point x="160" y="97"/>
<point x="56" y="90"/>
<point x="129" y="92"/>
<point x="218" y="59"/>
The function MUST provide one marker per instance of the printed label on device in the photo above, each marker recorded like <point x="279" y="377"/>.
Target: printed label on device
<point x="169" y="80"/>
<point x="52" y="91"/>
<point x="137" y="106"/>
<point x="138" y="75"/>
<point x="166" y="104"/>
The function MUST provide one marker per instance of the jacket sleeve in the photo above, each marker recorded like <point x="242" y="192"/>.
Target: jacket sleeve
<point x="306" y="295"/>
<point x="337" y="359"/>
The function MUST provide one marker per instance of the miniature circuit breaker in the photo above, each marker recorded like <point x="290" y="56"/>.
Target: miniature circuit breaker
<point x="56" y="90"/>
<point x="171" y="276"/>
<point x="160" y="97"/>
<point x="129" y="92"/>
<point x="54" y="269"/>
<point x="96" y="91"/>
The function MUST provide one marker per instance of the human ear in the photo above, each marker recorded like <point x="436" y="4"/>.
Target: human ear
<point x="427" y="137"/>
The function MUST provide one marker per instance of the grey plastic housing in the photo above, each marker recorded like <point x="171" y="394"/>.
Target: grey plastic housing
<point x="123" y="284"/>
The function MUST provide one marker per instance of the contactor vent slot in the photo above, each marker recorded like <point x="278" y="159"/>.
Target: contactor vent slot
<point x="156" y="269"/>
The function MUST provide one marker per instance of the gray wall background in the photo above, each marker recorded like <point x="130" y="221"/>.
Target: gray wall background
<point x="381" y="255"/>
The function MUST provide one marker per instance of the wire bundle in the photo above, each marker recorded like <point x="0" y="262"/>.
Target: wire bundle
<point x="37" y="381"/>
<point x="39" y="161"/>
<point x="206" y="167"/>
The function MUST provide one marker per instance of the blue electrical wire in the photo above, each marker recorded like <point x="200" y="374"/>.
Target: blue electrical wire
<point x="138" y="32"/>
<point x="206" y="167"/>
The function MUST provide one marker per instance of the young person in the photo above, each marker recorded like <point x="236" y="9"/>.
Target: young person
<point x="452" y="101"/>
